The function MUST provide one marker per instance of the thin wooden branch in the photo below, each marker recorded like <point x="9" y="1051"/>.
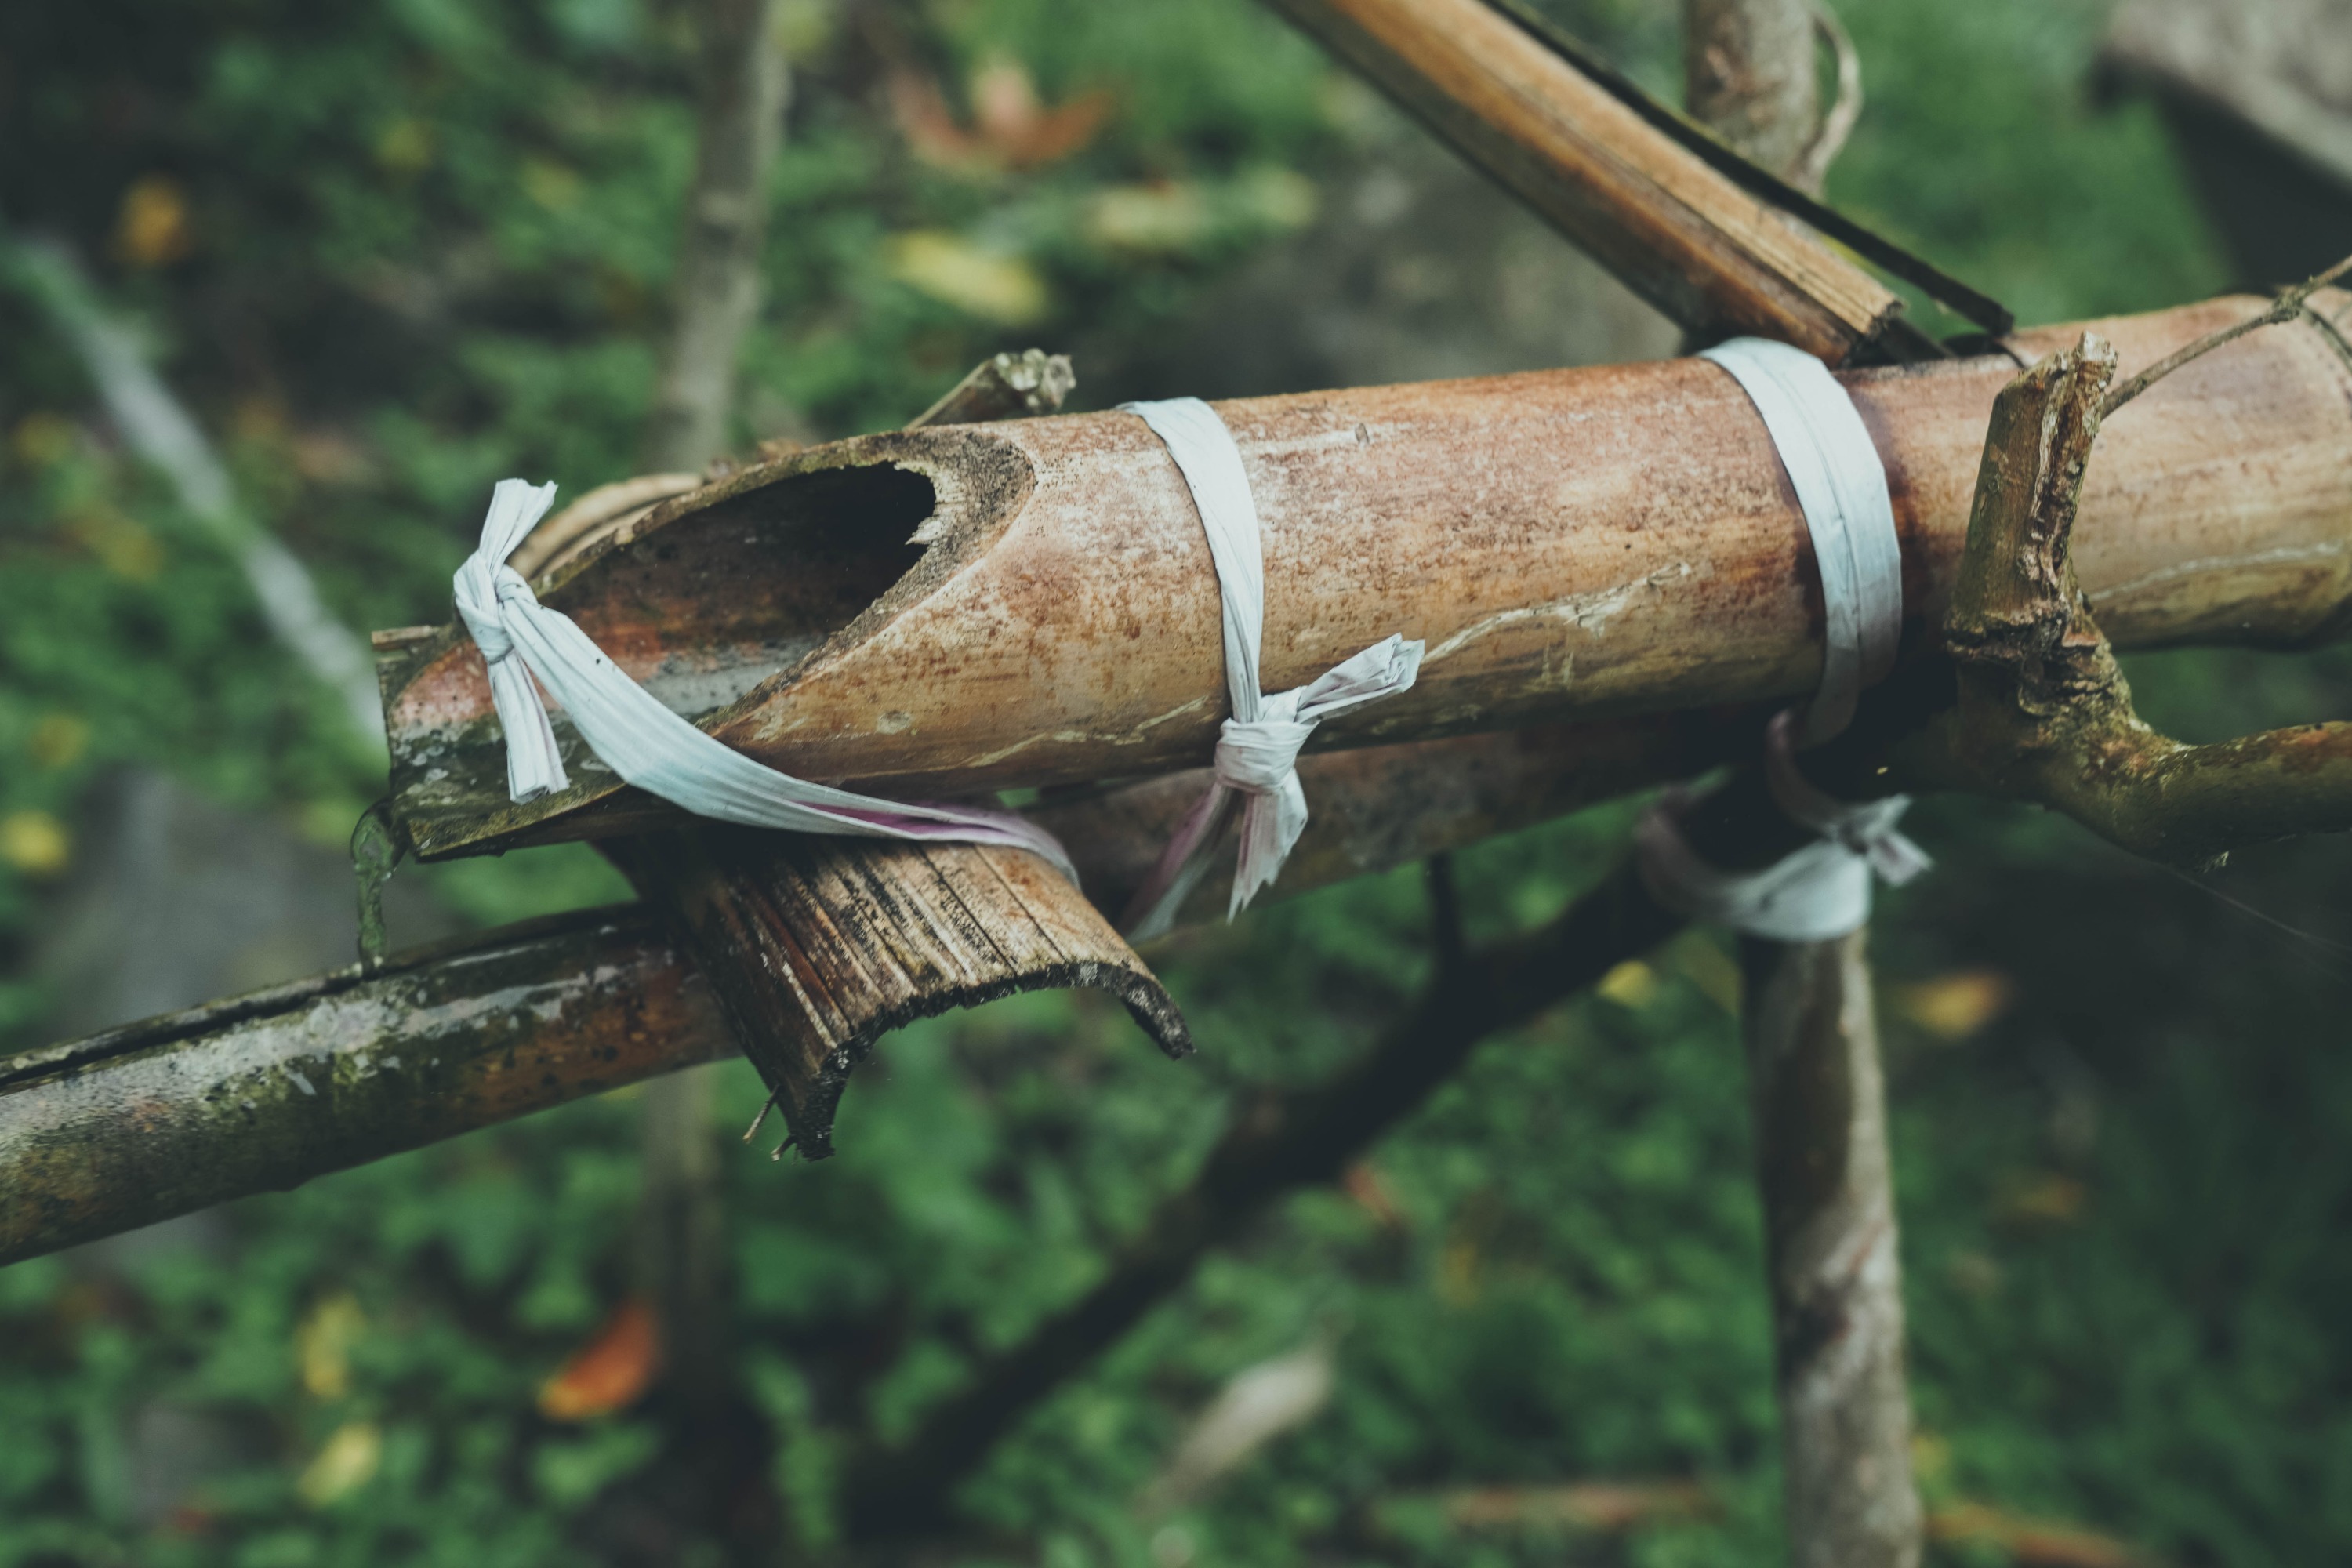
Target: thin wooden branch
<point x="2293" y="304"/>
<point x="1819" y="1114"/>
<point x="1750" y="76"/>
<point x="1275" y="1143"/>
<point x="265" y="1091"/>
<point x="2045" y="714"/>
<point x="1810" y="172"/>
<point x="1807" y="1019"/>
<point x="1280" y="1141"/>
<point x="683" y="1259"/>
<point x="1054" y="618"/>
<point x="739" y="104"/>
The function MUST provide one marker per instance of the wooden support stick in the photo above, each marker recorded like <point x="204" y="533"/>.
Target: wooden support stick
<point x="1819" y="1115"/>
<point x="1274" y="1143"/>
<point x="1807" y="1014"/>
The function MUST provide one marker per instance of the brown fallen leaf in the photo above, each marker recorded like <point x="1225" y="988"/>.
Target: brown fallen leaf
<point x="2044" y="1199"/>
<point x="1372" y="1196"/>
<point x="611" y="1372"/>
<point x="1012" y="129"/>
<point x="1954" y="1007"/>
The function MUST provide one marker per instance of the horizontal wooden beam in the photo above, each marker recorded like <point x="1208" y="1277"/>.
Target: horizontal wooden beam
<point x="943" y="612"/>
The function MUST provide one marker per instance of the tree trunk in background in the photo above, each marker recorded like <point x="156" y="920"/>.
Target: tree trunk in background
<point x="1750" y="74"/>
<point x="1751" y="70"/>
<point x="682" y="1228"/>
<point x="1820" y="1104"/>
<point x="741" y="93"/>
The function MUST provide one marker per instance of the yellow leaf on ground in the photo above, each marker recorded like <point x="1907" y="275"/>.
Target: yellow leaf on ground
<point x="325" y="1345"/>
<point x="1953" y="1006"/>
<point x="347" y="1463"/>
<point x="59" y="740"/>
<point x="954" y="270"/>
<point x="1631" y="984"/>
<point x="151" y="228"/>
<point x="35" y="843"/>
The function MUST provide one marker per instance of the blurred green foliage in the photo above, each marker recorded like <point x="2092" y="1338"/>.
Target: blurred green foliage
<point x="394" y="251"/>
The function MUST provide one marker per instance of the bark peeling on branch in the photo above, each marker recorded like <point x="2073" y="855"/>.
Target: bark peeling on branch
<point x="2044" y="712"/>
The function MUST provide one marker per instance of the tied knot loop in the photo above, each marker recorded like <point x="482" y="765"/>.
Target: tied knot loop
<point x="1258" y="758"/>
<point x="485" y="586"/>
<point x="1823" y="889"/>
<point x="1865" y="829"/>
<point x="526" y="646"/>
<point x="1262" y="756"/>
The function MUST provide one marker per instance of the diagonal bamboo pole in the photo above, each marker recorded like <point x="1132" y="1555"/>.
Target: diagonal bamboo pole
<point x="1675" y="229"/>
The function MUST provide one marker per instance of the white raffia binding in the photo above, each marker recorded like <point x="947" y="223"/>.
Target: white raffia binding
<point x="1822" y="890"/>
<point x="629" y="730"/>
<point x="1257" y="749"/>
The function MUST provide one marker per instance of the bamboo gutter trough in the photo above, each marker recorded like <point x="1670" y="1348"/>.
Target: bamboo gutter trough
<point x="1608" y="567"/>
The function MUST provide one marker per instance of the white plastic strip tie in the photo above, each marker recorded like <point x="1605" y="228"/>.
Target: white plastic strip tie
<point x="1257" y="749"/>
<point x="1841" y="485"/>
<point x="631" y="732"/>
<point x="1822" y="890"/>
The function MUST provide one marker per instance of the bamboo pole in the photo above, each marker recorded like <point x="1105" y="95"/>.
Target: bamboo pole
<point x="1818" y="1100"/>
<point x="944" y="611"/>
<point x="1808" y="1017"/>
<point x="1671" y="227"/>
<point x="178" y="1113"/>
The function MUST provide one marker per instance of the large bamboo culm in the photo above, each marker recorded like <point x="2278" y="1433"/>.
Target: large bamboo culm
<point x="1569" y="544"/>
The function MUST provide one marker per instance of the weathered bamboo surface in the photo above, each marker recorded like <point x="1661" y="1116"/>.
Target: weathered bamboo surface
<point x="1677" y="232"/>
<point x="265" y="1091"/>
<point x="946" y="611"/>
<point x="180" y="1112"/>
<point x="817" y="947"/>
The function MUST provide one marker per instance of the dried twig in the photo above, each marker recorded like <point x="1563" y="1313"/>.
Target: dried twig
<point x="1811" y="168"/>
<point x="2044" y="712"/>
<point x="159" y="428"/>
<point x="2291" y="304"/>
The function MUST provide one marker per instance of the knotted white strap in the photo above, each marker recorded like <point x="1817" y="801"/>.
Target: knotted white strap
<point x="1865" y="829"/>
<point x="1823" y="889"/>
<point x="1257" y="749"/>
<point x="651" y="747"/>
